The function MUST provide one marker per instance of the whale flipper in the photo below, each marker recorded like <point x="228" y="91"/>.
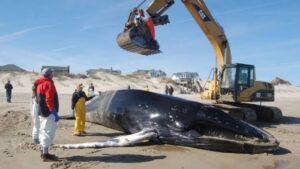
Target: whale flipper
<point x="121" y="141"/>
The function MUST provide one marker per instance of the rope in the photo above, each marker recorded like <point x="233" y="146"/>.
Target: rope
<point x="141" y="3"/>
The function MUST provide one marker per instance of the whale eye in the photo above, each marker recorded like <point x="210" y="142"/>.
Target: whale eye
<point x="179" y="124"/>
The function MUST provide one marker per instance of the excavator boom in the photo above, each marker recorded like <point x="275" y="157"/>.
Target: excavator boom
<point x="213" y="31"/>
<point x="133" y="38"/>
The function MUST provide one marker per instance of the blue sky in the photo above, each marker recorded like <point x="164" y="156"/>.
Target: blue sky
<point x="82" y="34"/>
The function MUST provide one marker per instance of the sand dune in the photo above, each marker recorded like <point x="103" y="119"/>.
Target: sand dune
<point x="102" y="81"/>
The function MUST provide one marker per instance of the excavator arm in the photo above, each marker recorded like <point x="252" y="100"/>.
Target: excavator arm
<point x="213" y="31"/>
<point x="200" y="13"/>
<point x="136" y="38"/>
<point x="158" y="7"/>
<point x="216" y="36"/>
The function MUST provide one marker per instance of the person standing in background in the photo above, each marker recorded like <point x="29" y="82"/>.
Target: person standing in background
<point x="91" y="87"/>
<point x="8" y="87"/>
<point x="171" y="90"/>
<point x="166" y="90"/>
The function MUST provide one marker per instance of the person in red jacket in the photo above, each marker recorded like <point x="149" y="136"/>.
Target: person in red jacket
<point x="148" y="21"/>
<point x="47" y="100"/>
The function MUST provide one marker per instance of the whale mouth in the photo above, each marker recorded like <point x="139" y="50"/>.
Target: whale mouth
<point x="247" y="140"/>
<point x="219" y="131"/>
<point x="213" y="129"/>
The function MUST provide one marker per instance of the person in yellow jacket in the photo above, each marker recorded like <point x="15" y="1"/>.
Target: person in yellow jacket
<point x="78" y="104"/>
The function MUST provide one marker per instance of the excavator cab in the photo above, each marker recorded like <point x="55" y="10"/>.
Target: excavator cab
<point x="137" y="37"/>
<point x="235" y="78"/>
<point x="238" y="84"/>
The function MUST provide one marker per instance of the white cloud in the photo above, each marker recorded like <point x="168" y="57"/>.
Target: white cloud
<point x="20" y="33"/>
<point x="96" y="26"/>
<point x="63" y="48"/>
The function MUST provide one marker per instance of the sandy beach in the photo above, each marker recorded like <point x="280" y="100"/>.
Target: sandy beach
<point x="17" y="150"/>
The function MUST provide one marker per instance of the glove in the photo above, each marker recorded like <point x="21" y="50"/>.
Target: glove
<point x="56" y="116"/>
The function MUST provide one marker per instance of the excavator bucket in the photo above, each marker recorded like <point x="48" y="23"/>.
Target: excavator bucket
<point x="137" y="40"/>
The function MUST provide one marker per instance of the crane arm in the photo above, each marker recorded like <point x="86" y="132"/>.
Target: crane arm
<point x="213" y="31"/>
<point x="158" y="7"/>
<point x="130" y="39"/>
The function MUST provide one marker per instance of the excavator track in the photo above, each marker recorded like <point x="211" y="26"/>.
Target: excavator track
<point x="133" y="40"/>
<point x="264" y="113"/>
<point x="242" y="113"/>
<point x="251" y="112"/>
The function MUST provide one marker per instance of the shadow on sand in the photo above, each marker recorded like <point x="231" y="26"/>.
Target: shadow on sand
<point x="290" y="120"/>
<point x="118" y="158"/>
<point x="284" y="120"/>
<point x="281" y="151"/>
<point x="105" y="134"/>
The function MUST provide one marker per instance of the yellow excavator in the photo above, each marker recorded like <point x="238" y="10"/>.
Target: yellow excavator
<point x="233" y="86"/>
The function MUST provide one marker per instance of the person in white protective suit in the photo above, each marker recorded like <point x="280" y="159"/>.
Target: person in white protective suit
<point x="47" y="100"/>
<point x="35" y="116"/>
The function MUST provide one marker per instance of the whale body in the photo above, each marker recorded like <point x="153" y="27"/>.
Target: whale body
<point x="172" y="120"/>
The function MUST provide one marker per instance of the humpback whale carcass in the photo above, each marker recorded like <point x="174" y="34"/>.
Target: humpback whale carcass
<point x="172" y="120"/>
